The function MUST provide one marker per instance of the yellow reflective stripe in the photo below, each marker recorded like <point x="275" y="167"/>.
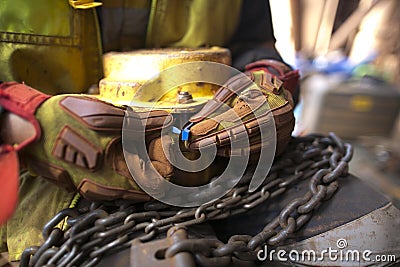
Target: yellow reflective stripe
<point x="275" y="101"/>
<point x="84" y="4"/>
<point x="63" y="224"/>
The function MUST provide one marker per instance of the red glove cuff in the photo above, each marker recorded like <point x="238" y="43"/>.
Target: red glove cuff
<point x="23" y="101"/>
<point x="9" y="182"/>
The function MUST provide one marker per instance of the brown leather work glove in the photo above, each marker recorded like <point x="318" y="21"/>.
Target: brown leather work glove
<point x="75" y="141"/>
<point x="244" y="96"/>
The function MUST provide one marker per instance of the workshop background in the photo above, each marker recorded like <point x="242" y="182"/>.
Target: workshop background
<point x="348" y="54"/>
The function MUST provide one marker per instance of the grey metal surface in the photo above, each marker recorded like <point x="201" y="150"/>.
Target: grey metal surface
<point x="352" y="200"/>
<point x="372" y="240"/>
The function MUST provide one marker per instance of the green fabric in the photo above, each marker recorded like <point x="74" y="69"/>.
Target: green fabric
<point x="52" y="119"/>
<point x="192" y="23"/>
<point x="49" y="45"/>
<point x="3" y="238"/>
<point x="61" y="51"/>
<point x="39" y="201"/>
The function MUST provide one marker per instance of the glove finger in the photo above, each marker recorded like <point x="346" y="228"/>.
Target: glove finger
<point x="224" y="95"/>
<point x="164" y="169"/>
<point x="102" y="116"/>
<point x="241" y="122"/>
<point x="95" y="114"/>
<point x="250" y="101"/>
<point x="158" y="157"/>
<point x="256" y="142"/>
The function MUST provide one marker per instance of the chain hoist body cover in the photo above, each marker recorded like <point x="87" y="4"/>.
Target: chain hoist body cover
<point x="126" y="72"/>
<point x="350" y="107"/>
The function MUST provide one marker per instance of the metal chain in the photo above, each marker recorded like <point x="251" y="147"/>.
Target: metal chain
<point x="106" y="228"/>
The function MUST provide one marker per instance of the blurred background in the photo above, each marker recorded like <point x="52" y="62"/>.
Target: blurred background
<point x="349" y="57"/>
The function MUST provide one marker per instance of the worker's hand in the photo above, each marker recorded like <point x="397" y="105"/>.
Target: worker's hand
<point x="245" y="114"/>
<point x="76" y="141"/>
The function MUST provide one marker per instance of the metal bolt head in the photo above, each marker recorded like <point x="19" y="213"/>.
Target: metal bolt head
<point x="184" y="97"/>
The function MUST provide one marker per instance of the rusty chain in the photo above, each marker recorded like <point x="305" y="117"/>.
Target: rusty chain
<point x="105" y="228"/>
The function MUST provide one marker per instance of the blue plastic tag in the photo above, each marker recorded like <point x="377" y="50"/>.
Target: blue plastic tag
<point x="186" y="132"/>
<point x="176" y="130"/>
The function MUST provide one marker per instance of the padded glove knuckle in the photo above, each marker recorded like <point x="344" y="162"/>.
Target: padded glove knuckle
<point x="246" y="96"/>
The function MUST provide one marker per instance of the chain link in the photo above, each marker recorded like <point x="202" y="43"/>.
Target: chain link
<point x="106" y="229"/>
